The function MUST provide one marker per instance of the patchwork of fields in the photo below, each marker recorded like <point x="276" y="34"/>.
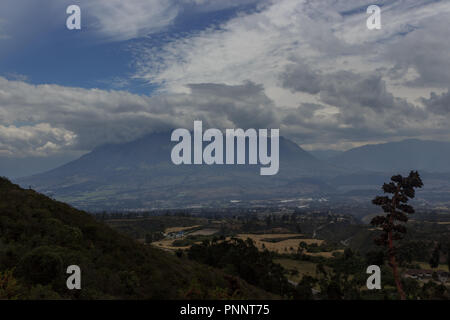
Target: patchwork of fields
<point x="280" y="243"/>
<point x="275" y="242"/>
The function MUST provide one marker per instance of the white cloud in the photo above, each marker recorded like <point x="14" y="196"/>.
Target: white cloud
<point x="54" y="118"/>
<point x="36" y="140"/>
<point x="260" y="46"/>
<point x="300" y="65"/>
<point x="119" y="20"/>
<point x="251" y="47"/>
<point x="123" y="20"/>
<point x="105" y="20"/>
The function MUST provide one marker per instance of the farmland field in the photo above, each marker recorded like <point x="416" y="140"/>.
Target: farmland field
<point x="178" y="229"/>
<point x="204" y="232"/>
<point x="324" y="254"/>
<point x="167" y="244"/>
<point x="304" y="268"/>
<point x="289" y="245"/>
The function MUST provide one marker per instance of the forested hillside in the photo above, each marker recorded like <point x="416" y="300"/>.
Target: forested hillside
<point x="40" y="238"/>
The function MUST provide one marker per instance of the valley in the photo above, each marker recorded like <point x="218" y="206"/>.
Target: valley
<point x="311" y="247"/>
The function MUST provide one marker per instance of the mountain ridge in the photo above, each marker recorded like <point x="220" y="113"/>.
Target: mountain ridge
<point x="409" y="154"/>
<point x="141" y="171"/>
<point x="139" y="174"/>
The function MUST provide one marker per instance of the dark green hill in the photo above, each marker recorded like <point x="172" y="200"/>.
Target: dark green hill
<point x="40" y="238"/>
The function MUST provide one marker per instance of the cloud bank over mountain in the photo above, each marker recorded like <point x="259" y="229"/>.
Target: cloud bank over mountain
<point x="51" y="119"/>
<point x="310" y="68"/>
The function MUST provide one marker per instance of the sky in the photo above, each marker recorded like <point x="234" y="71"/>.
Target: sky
<point x="311" y="68"/>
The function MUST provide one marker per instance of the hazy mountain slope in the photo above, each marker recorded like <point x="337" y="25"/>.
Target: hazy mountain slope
<point x="23" y="167"/>
<point x="140" y="174"/>
<point x="372" y="165"/>
<point x="325" y="154"/>
<point x="431" y="156"/>
<point x="40" y="238"/>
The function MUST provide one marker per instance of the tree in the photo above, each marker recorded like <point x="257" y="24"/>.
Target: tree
<point x="375" y="257"/>
<point x="303" y="290"/>
<point x="269" y="221"/>
<point x="333" y="290"/>
<point x="435" y="257"/>
<point x="396" y="209"/>
<point x="41" y="265"/>
<point x="148" y="238"/>
<point x="9" y="286"/>
<point x="448" y="257"/>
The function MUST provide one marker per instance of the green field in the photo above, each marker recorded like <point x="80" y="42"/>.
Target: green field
<point x="303" y="268"/>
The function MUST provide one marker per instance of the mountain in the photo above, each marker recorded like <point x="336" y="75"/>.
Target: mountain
<point x="140" y="174"/>
<point x="40" y="238"/>
<point x="325" y="154"/>
<point x="22" y="167"/>
<point x="413" y="154"/>
<point x="372" y="165"/>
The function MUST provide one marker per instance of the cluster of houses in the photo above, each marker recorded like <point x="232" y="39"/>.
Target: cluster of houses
<point x="425" y="274"/>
